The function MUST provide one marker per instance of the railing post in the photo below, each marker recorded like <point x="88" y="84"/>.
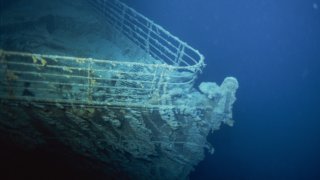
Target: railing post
<point x="91" y="81"/>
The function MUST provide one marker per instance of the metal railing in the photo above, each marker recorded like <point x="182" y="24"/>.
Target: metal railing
<point x="151" y="37"/>
<point x="76" y="81"/>
<point x="53" y="79"/>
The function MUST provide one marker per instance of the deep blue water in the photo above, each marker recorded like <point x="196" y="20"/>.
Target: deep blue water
<point x="273" y="48"/>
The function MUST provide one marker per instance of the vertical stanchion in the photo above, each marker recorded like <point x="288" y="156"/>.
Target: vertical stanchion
<point x="90" y="81"/>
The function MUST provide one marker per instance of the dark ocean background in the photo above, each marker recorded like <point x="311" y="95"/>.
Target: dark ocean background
<point x="273" y="48"/>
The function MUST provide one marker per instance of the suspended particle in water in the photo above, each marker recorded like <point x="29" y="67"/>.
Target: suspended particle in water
<point x="315" y="6"/>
